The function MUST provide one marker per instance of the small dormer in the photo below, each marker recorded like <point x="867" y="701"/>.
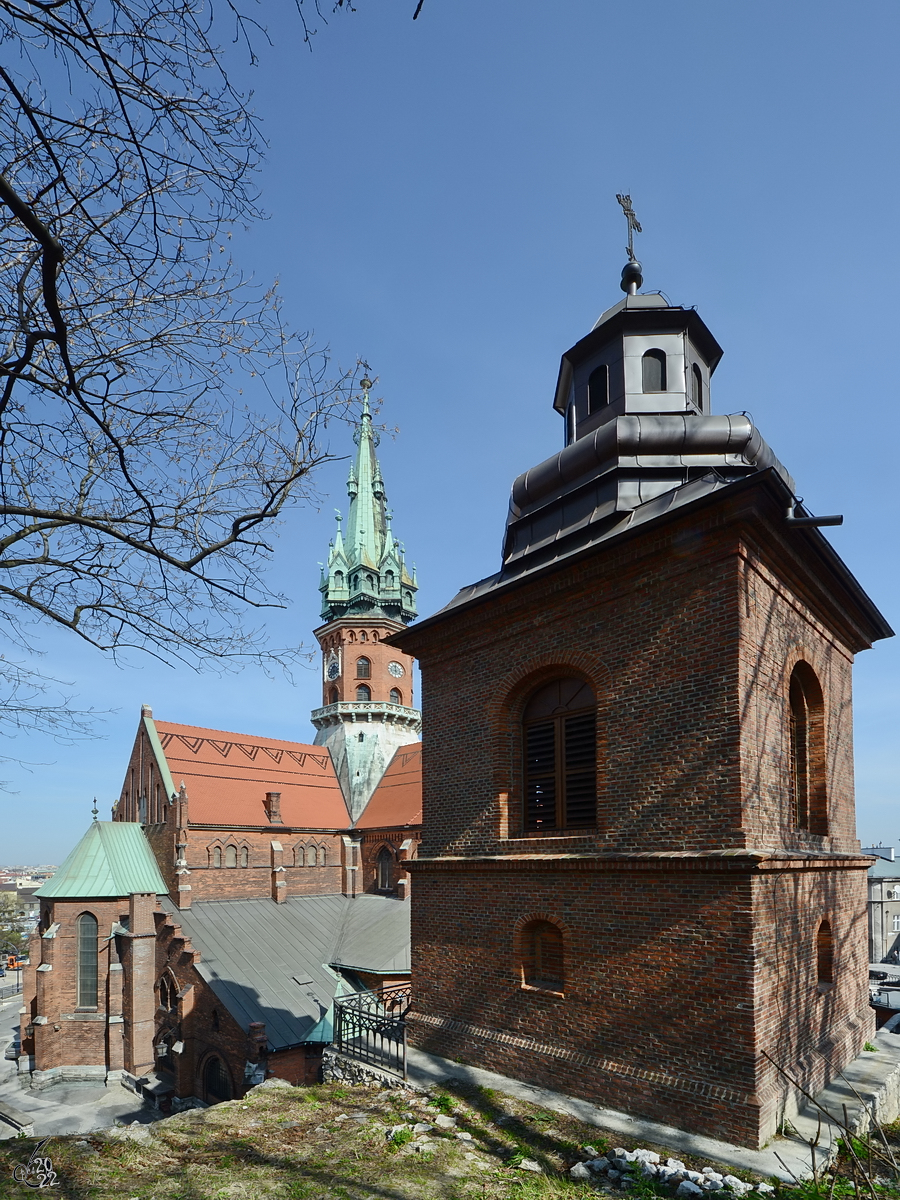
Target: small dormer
<point x="644" y="355"/>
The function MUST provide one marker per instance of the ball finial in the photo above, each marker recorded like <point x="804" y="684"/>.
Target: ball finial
<point x="632" y="277"/>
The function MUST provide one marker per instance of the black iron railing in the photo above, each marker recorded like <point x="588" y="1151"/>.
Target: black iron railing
<point x="371" y="1027"/>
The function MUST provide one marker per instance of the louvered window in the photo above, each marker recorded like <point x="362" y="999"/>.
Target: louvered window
<point x="542" y="956"/>
<point x="807" y="731"/>
<point x="87" y="961"/>
<point x="560" y="748"/>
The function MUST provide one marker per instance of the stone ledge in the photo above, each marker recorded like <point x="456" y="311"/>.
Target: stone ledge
<point x="22" y="1122"/>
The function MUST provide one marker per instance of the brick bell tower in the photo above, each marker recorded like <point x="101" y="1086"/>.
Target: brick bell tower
<point x="639" y="881"/>
<point x="367" y="594"/>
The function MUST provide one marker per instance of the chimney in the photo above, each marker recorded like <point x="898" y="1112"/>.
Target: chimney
<point x="273" y="807"/>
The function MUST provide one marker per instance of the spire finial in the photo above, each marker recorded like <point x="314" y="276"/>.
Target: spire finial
<point x="95" y="810"/>
<point x="632" y="276"/>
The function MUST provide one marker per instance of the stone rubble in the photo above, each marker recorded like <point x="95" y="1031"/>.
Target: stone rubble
<point x="621" y="1169"/>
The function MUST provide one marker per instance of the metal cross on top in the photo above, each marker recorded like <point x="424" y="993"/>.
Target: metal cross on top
<point x="634" y="225"/>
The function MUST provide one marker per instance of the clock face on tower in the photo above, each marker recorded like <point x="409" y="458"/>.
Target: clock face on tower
<point x="396" y="669"/>
<point x="334" y="669"/>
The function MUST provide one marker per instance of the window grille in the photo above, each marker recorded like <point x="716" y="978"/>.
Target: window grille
<point x="87" y="961"/>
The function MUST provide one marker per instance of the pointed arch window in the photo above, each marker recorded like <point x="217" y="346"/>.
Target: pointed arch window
<point x="807" y="737"/>
<point x="231" y="856"/>
<point x="363" y="668"/>
<point x="86" y="929"/>
<point x="312" y="856"/>
<point x="559" y="733"/>
<point x="384" y="870"/>
<point x="363" y="692"/>
<point x="363" y="637"/>
<point x="217" y="856"/>
<point x="245" y="856"/>
<point x="653" y="371"/>
<point x="396" y="697"/>
<point x="825" y="955"/>
<point x="598" y="389"/>
<point x="696" y="386"/>
<point x="543" y="956"/>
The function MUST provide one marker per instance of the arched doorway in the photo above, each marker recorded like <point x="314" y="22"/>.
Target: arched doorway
<point x="216" y="1081"/>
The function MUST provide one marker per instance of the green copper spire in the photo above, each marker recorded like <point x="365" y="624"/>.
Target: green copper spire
<point x="366" y="574"/>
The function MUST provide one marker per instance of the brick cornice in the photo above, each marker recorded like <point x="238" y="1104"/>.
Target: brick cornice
<point x="756" y="861"/>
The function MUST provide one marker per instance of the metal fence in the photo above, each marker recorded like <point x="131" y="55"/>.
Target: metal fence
<point x="9" y="989"/>
<point x="371" y="1027"/>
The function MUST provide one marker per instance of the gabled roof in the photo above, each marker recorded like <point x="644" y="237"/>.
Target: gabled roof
<point x="112" y="859"/>
<point x="397" y="800"/>
<point x="227" y="776"/>
<point x="275" y="962"/>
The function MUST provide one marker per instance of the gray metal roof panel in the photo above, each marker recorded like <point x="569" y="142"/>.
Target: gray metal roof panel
<point x="375" y="936"/>
<point x="274" y="962"/>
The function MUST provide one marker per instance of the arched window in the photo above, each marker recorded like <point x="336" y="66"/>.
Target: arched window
<point x="245" y="856"/>
<point x="231" y="856"/>
<point x="374" y="636"/>
<point x="333" y="696"/>
<point x="825" y="954"/>
<point x="389" y="579"/>
<point x="164" y="993"/>
<point x="807" y="732"/>
<point x="360" y="737"/>
<point x="339" y="579"/>
<point x="384" y="870"/>
<point x="363" y="692"/>
<point x="696" y="386"/>
<point x="86" y="928"/>
<point x="653" y="366"/>
<point x="362" y="633"/>
<point x="396" y="698"/>
<point x="321" y="856"/>
<point x="217" y="856"/>
<point x="363" y="667"/>
<point x="311" y="856"/>
<point x="408" y="597"/>
<point x="216" y="1081"/>
<point x="542" y="956"/>
<point x="559" y="733"/>
<point x="598" y="389"/>
<point x="893" y="894"/>
<point x="351" y="636"/>
<point x="370" y="580"/>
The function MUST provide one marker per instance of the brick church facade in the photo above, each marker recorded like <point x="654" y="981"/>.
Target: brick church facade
<point x="639" y="881"/>
<point x="197" y="942"/>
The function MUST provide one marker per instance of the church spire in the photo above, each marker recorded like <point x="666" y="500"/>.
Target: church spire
<point x="366" y="574"/>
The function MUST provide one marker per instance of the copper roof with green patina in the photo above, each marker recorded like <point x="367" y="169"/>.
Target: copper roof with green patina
<point x="112" y="859"/>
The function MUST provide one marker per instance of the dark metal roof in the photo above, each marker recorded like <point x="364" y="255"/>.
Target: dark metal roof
<point x="273" y="962"/>
<point x="709" y="489"/>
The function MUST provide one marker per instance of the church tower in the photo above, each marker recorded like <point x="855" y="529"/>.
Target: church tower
<point x="639" y="881"/>
<point x="368" y="594"/>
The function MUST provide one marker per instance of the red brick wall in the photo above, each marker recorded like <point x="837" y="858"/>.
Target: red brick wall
<point x="372" y="842"/>
<point x="345" y="635"/>
<point x="71" y="1037"/>
<point x="679" y="983"/>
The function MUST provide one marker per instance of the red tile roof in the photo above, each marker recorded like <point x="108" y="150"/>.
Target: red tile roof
<point x="227" y="776"/>
<point x="398" y="798"/>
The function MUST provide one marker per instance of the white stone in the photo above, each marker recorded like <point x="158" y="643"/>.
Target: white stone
<point x="676" y="1164"/>
<point x="465" y="1137"/>
<point x="694" y="1176"/>
<point x="687" y="1188"/>
<point x="590" y="1150"/>
<point x="711" y="1174"/>
<point x="737" y="1185"/>
<point x="422" y="1127"/>
<point x="647" y="1156"/>
<point x="713" y="1185"/>
<point x="389" y="1134"/>
<point x="765" y="1188"/>
<point x="580" y="1171"/>
<point x="445" y="1122"/>
<point x="528" y="1164"/>
<point x="597" y="1165"/>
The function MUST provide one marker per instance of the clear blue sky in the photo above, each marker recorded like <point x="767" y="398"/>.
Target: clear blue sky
<point x="442" y="200"/>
